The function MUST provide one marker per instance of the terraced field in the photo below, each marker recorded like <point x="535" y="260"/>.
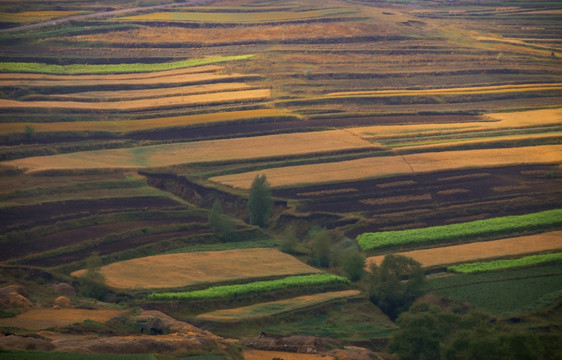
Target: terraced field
<point x="182" y="270"/>
<point x="447" y="255"/>
<point x="120" y="130"/>
<point x="397" y="165"/>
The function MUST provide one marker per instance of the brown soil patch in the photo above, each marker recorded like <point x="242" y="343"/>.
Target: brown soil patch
<point x="481" y="250"/>
<point x="396" y="199"/>
<point x="180" y="270"/>
<point x="37" y="319"/>
<point x="397" y="165"/>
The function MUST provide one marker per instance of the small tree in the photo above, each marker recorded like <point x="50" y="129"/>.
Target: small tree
<point x="395" y="284"/>
<point x="93" y="282"/>
<point x="321" y="251"/>
<point x="353" y="264"/>
<point x="29" y="131"/>
<point x="260" y="202"/>
<point x="221" y="225"/>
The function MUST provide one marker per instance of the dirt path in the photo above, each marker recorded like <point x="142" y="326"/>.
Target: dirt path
<point x="102" y="14"/>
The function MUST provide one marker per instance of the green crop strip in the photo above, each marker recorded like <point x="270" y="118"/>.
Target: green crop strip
<point x="435" y="234"/>
<point x="505" y="264"/>
<point x="75" y="69"/>
<point x="254" y="287"/>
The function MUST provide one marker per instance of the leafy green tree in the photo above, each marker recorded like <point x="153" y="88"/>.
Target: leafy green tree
<point x="221" y="225"/>
<point x="395" y="284"/>
<point x="260" y="202"/>
<point x="321" y="248"/>
<point x="93" y="282"/>
<point x="353" y="264"/>
<point x="420" y="334"/>
<point x="29" y="131"/>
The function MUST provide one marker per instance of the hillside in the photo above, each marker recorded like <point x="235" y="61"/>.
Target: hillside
<point x="131" y="134"/>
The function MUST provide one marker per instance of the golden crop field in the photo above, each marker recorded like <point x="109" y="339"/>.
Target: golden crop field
<point x="481" y="250"/>
<point x="151" y="93"/>
<point x="119" y="126"/>
<point x="492" y="121"/>
<point x="218" y="35"/>
<point x="145" y="124"/>
<point x="197" y="152"/>
<point x="377" y="167"/>
<point x="110" y="80"/>
<point x="185" y="269"/>
<point x="239" y="17"/>
<point x="451" y="91"/>
<point x="111" y="77"/>
<point x="37" y="319"/>
<point x="27" y="17"/>
<point x="171" y="101"/>
<point x="276" y="307"/>
<point x="252" y="354"/>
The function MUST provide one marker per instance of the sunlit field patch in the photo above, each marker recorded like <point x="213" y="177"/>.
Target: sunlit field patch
<point x="179" y="270"/>
<point x="197" y="152"/>
<point x="37" y="319"/>
<point x="396" y="165"/>
<point x="276" y="307"/>
<point x="481" y="250"/>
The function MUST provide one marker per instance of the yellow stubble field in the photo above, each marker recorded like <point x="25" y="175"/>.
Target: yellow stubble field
<point x="124" y="126"/>
<point x="481" y="250"/>
<point x="143" y="104"/>
<point x="37" y="319"/>
<point x="197" y="152"/>
<point x="376" y="167"/>
<point x="185" y="269"/>
<point x="492" y="121"/>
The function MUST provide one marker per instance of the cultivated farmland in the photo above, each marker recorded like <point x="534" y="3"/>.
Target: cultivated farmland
<point x="181" y="270"/>
<point x="446" y="255"/>
<point x="276" y="307"/>
<point x="38" y="319"/>
<point x="197" y="152"/>
<point x="131" y="132"/>
<point x="397" y="165"/>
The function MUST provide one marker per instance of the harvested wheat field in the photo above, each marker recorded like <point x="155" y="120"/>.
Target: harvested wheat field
<point x="197" y="152"/>
<point x="37" y="319"/>
<point x="124" y="126"/>
<point x="180" y="270"/>
<point x="219" y="35"/>
<point x="452" y="91"/>
<point x="276" y="307"/>
<point x="397" y="165"/>
<point x="131" y="105"/>
<point x="481" y="250"/>
<point x="112" y="77"/>
<point x="151" y="93"/>
<point x="129" y="80"/>
<point x="493" y="121"/>
<point x="269" y="355"/>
